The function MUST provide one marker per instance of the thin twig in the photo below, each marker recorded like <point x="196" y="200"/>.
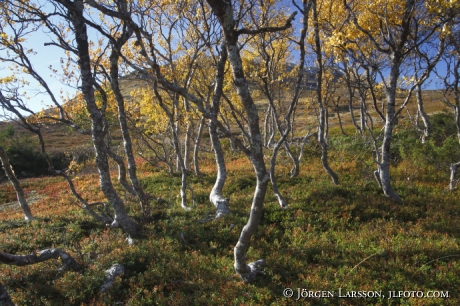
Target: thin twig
<point x="341" y="285"/>
<point x="427" y="263"/>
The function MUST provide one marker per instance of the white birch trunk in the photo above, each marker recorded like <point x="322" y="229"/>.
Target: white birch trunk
<point x="453" y="173"/>
<point x="127" y="144"/>
<point x="421" y="111"/>
<point x="196" y="148"/>
<point x="187" y="144"/>
<point x="121" y="217"/>
<point x="121" y="171"/>
<point x="216" y="197"/>
<point x="16" y="184"/>
<point x="223" y="9"/>
<point x="323" y="120"/>
<point x="383" y="170"/>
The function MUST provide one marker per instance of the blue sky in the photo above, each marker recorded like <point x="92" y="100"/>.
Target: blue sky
<point x="47" y="56"/>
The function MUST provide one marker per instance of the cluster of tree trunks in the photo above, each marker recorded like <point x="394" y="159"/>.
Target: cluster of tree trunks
<point x="190" y="83"/>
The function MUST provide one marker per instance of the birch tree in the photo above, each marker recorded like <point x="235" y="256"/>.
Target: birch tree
<point x="16" y="184"/>
<point x="450" y="80"/>
<point x="323" y="118"/>
<point x="226" y="17"/>
<point x="391" y="29"/>
<point x="225" y="13"/>
<point x="15" y="102"/>
<point x="72" y="14"/>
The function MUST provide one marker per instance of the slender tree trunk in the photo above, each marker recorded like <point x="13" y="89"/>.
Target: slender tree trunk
<point x="362" y="112"/>
<point x="16" y="184"/>
<point x="216" y="197"/>
<point x="271" y="128"/>
<point x="323" y="120"/>
<point x="127" y="143"/>
<point x="350" y="96"/>
<point x="223" y="9"/>
<point x="183" y="169"/>
<point x="457" y="119"/>
<point x="196" y="148"/>
<point x="383" y="170"/>
<point x="421" y="111"/>
<point x="337" y="110"/>
<point x="187" y="145"/>
<point x="295" y="162"/>
<point x="306" y="8"/>
<point x="273" y="180"/>
<point x="266" y="127"/>
<point x="121" y="171"/>
<point x="453" y="173"/>
<point x="121" y="217"/>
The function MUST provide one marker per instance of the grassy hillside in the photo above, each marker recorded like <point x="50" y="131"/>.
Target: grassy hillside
<point x="58" y="137"/>
<point x="348" y="236"/>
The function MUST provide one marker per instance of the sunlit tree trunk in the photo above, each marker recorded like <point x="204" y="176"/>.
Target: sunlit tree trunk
<point x="224" y="12"/>
<point x="121" y="217"/>
<point x="383" y="170"/>
<point x="323" y="120"/>
<point x="196" y="148"/>
<point x="127" y="143"/>
<point x="216" y="197"/>
<point x="453" y="173"/>
<point x="16" y="184"/>
<point x="188" y="144"/>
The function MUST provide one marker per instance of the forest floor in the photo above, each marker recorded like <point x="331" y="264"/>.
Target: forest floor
<point x="347" y="239"/>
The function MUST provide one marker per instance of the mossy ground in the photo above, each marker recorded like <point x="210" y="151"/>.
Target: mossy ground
<point x="347" y="236"/>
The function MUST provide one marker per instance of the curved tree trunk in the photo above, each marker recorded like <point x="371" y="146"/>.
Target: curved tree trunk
<point x="323" y="120"/>
<point x="223" y="9"/>
<point x="196" y="148"/>
<point x="81" y="38"/>
<point x="383" y="170"/>
<point x="121" y="171"/>
<point x="421" y="111"/>
<point x="216" y="196"/>
<point x="16" y="184"/>
<point x="68" y="263"/>
<point x="127" y="143"/>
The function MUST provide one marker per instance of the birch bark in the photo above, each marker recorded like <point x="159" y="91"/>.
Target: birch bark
<point x="121" y="217"/>
<point x="225" y="15"/>
<point x="16" y="184"/>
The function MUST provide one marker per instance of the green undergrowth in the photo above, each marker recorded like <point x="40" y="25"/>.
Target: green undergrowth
<point x="330" y="237"/>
